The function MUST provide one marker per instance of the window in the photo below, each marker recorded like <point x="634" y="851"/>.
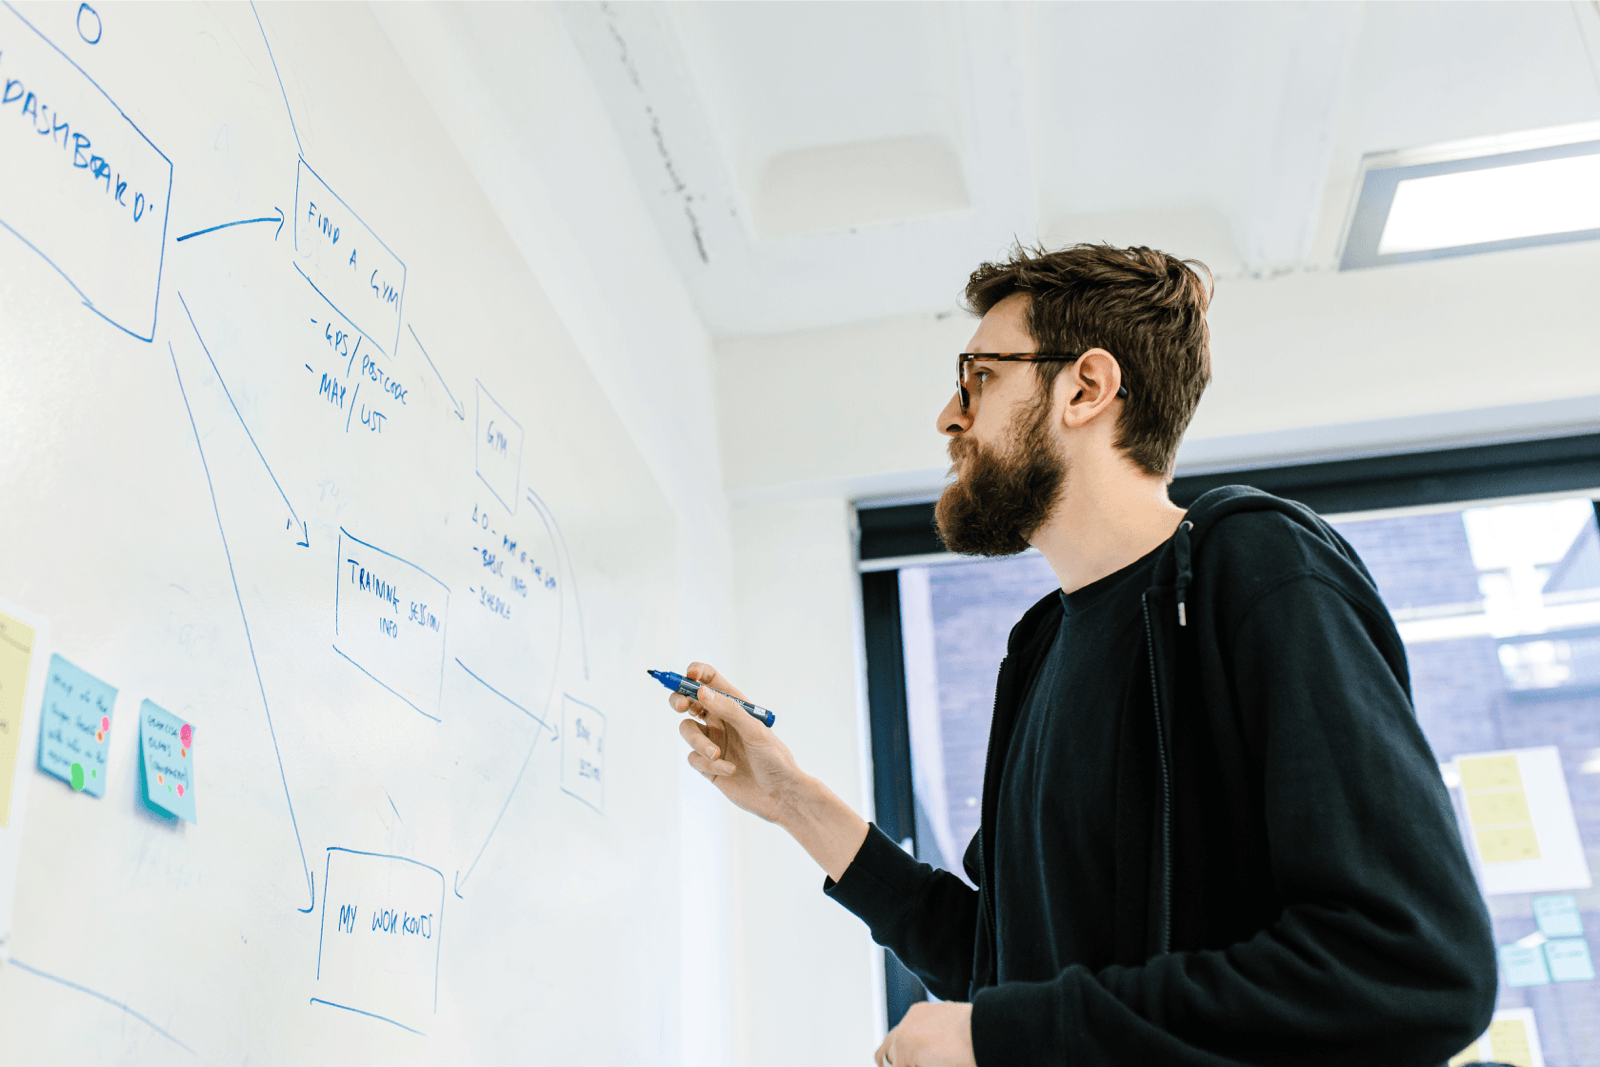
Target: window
<point x="1483" y="195"/>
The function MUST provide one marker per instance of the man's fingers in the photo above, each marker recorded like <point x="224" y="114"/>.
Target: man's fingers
<point x="881" y="1057"/>
<point x="706" y="674"/>
<point x="680" y="703"/>
<point x="710" y="768"/>
<point x="695" y="735"/>
<point x="728" y="714"/>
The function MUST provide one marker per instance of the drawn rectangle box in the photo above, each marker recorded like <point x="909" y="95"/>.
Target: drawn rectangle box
<point x="499" y="449"/>
<point x="382" y="920"/>
<point x="389" y="620"/>
<point x="75" y="165"/>
<point x="346" y="262"/>
<point x="583" y="752"/>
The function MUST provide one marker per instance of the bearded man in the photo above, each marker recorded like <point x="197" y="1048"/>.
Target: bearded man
<point x="1212" y="832"/>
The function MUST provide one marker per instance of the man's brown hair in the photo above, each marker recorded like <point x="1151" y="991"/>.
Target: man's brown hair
<point x="1146" y="308"/>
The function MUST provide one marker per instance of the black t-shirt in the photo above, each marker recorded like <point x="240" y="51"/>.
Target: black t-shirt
<point x="1054" y="844"/>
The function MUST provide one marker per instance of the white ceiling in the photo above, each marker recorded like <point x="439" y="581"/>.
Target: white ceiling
<point x="816" y="163"/>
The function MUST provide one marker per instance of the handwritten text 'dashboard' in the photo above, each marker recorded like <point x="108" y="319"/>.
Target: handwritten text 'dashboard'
<point x="75" y="167"/>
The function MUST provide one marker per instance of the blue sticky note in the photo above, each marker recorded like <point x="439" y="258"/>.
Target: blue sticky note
<point x="75" y="730"/>
<point x="1569" y="959"/>
<point x="1558" y="916"/>
<point x="1523" y="965"/>
<point x="166" y="744"/>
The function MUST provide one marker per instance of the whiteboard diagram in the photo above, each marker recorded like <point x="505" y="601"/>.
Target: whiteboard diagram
<point x="375" y="586"/>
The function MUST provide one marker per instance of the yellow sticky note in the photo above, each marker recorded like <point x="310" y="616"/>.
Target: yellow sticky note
<point x="1506" y="844"/>
<point x="1509" y="1039"/>
<point x="1466" y="1055"/>
<point x="1498" y="809"/>
<point x="16" y="650"/>
<point x="1490" y="772"/>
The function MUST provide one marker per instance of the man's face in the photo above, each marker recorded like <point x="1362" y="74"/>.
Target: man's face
<point x="1007" y="472"/>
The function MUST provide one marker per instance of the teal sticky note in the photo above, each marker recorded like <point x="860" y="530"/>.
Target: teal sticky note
<point x="1569" y="959"/>
<point x="166" y="743"/>
<point x="1558" y="916"/>
<point x="1523" y="965"/>
<point x="75" y="730"/>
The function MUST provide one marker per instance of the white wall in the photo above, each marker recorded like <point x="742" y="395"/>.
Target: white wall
<point x="807" y="977"/>
<point x="1304" y="363"/>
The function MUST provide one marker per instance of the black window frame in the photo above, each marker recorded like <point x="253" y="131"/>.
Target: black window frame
<point x="893" y="534"/>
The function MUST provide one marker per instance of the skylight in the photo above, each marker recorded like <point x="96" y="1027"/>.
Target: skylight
<point x="1541" y="187"/>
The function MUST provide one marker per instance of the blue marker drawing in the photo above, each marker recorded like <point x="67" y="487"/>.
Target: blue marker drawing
<point x="89" y="25"/>
<point x="305" y="539"/>
<point x="460" y="412"/>
<point x="389" y="621"/>
<point x="553" y="527"/>
<point x="368" y="1014"/>
<point x="72" y="154"/>
<point x="477" y="678"/>
<point x="271" y="58"/>
<point x="249" y="641"/>
<point x="383" y="951"/>
<point x="460" y="882"/>
<point x="278" y="218"/>
<point x="583" y="752"/>
<point x="99" y="996"/>
<point x="499" y="450"/>
<point x="542" y="720"/>
<point x="348" y="264"/>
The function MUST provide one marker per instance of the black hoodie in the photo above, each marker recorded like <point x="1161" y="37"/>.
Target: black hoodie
<point x="1291" y="882"/>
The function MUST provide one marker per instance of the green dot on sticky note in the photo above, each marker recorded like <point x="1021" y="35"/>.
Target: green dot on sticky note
<point x="94" y="774"/>
<point x="169" y="789"/>
<point x="77" y="776"/>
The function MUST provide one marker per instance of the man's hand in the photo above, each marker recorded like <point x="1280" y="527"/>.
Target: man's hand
<point x="931" y="1035"/>
<point x="755" y="770"/>
<point x="739" y="755"/>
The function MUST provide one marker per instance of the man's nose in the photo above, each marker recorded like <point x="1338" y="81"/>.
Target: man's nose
<point x="954" y="422"/>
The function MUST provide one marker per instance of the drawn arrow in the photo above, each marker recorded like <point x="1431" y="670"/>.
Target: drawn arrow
<point x="460" y="412"/>
<point x="249" y="641"/>
<point x="554" y="733"/>
<point x="278" y="218"/>
<point x="294" y="519"/>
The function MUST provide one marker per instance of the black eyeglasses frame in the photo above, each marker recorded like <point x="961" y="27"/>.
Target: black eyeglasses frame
<point x="966" y="358"/>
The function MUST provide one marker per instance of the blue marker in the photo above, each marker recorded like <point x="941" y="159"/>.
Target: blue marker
<point x="679" y="684"/>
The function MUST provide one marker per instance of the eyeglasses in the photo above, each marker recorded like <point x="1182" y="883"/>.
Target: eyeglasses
<point x="967" y="387"/>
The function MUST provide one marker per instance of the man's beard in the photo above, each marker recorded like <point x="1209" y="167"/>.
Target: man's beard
<point x="1002" y="500"/>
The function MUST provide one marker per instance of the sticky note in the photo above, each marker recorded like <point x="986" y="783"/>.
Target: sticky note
<point x="1569" y="960"/>
<point x="16" y="650"/>
<point x="1508" y="1038"/>
<point x="1558" y="916"/>
<point x="1523" y="965"/>
<point x="1508" y="844"/>
<point x="1495" y="809"/>
<point x="76" y="730"/>
<point x="1490" y="772"/>
<point x="1466" y="1055"/>
<point x="166" y="743"/>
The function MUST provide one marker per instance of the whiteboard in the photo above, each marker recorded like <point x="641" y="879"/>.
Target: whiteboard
<point x="293" y="446"/>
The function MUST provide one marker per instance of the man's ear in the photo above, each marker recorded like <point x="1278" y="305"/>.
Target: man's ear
<point x="1091" y="384"/>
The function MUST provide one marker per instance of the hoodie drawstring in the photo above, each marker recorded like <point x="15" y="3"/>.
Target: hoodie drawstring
<point x="1180" y="544"/>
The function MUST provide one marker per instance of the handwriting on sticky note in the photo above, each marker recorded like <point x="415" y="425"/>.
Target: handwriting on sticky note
<point x="166" y="744"/>
<point x="76" y="729"/>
